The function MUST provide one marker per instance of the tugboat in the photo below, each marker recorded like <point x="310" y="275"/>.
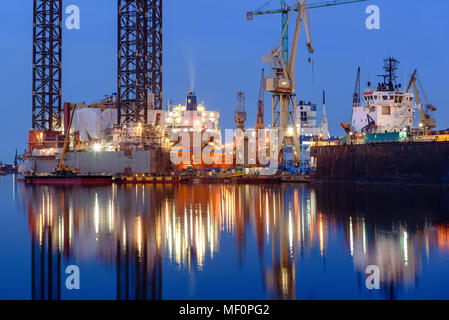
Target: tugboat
<point x="388" y="108"/>
<point x="383" y="142"/>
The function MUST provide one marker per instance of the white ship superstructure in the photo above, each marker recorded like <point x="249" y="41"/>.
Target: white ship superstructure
<point x="309" y="129"/>
<point x="191" y="116"/>
<point x="388" y="108"/>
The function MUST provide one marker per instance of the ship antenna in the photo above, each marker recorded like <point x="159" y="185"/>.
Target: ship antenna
<point x="390" y="67"/>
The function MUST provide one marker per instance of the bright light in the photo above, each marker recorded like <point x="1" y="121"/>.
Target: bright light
<point x="97" y="147"/>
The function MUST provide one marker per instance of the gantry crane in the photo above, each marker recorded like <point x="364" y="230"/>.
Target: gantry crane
<point x="281" y="82"/>
<point x="285" y="10"/>
<point x="426" y="122"/>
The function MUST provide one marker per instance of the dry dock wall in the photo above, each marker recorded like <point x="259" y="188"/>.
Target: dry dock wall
<point x="118" y="162"/>
<point x="414" y="162"/>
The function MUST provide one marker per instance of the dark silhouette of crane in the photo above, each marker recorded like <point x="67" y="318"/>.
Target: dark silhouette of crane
<point x="261" y="105"/>
<point x="356" y="96"/>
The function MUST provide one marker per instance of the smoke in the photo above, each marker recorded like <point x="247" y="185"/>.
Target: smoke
<point x="190" y="61"/>
<point x="192" y="73"/>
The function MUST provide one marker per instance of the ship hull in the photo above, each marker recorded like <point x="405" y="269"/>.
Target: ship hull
<point x="69" y="180"/>
<point x="159" y="180"/>
<point x="411" y="162"/>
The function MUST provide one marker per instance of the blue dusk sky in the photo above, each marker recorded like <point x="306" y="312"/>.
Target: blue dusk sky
<point x="211" y="45"/>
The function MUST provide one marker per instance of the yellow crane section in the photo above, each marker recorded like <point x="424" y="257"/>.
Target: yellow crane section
<point x="61" y="168"/>
<point x="426" y="121"/>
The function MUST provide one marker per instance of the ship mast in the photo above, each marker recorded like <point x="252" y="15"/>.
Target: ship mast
<point x="390" y="67"/>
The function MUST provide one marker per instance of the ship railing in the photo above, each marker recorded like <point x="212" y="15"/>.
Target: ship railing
<point x="430" y="138"/>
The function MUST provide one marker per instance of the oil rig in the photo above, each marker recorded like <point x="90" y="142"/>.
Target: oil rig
<point x="122" y="132"/>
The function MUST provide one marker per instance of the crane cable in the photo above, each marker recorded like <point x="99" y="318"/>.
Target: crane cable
<point x="306" y="3"/>
<point x="264" y="5"/>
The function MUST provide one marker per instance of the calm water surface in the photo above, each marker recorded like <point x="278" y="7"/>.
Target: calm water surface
<point x="223" y="241"/>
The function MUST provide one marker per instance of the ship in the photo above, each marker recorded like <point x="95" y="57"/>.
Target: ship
<point x="189" y="119"/>
<point x="391" y="138"/>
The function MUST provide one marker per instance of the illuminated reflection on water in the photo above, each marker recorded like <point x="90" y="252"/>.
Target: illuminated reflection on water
<point x="224" y="241"/>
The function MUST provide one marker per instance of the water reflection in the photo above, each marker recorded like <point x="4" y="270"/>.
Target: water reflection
<point x="141" y="230"/>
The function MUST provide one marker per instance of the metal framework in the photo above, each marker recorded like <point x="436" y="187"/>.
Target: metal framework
<point x="139" y="58"/>
<point x="47" y="62"/>
<point x="156" y="52"/>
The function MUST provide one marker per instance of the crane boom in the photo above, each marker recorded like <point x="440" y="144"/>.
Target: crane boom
<point x="356" y="95"/>
<point x="61" y="165"/>
<point x="261" y="105"/>
<point x="425" y="120"/>
<point x="322" y="4"/>
<point x="285" y="10"/>
<point x="301" y="15"/>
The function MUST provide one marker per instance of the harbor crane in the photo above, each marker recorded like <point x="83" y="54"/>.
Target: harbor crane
<point x="356" y="96"/>
<point x="240" y="113"/>
<point x="426" y="122"/>
<point x="281" y="82"/>
<point x="285" y="10"/>
<point x="260" y="125"/>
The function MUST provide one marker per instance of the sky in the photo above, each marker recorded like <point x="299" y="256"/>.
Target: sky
<point x="210" y="45"/>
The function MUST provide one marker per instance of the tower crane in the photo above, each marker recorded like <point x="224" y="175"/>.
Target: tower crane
<point x="281" y="82"/>
<point x="285" y="10"/>
<point x="426" y="121"/>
